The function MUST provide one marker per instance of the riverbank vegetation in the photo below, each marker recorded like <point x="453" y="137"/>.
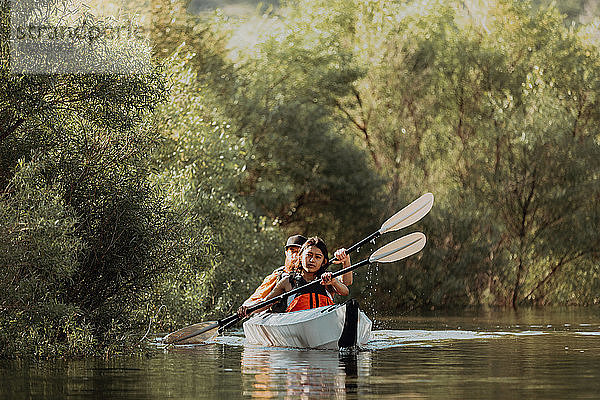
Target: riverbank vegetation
<point x="166" y="195"/>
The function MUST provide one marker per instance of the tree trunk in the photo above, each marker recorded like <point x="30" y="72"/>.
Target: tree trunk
<point x="515" y="296"/>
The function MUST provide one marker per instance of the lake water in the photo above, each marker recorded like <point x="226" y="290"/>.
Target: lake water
<point x="532" y="354"/>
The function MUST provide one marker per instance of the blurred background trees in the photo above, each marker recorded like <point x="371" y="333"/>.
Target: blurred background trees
<point x="168" y="194"/>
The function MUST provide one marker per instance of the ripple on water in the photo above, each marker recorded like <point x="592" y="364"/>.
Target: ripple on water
<point x="382" y="339"/>
<point x="385" y="339"/>
<point x="396" y="338"/>
<point x="588" y="333"/>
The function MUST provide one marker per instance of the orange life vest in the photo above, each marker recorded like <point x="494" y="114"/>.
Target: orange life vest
<point x="313" y="297"/>
<point x="309" y="300"/>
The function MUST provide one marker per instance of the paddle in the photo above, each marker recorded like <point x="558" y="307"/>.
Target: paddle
<point x="403" y="218"/>
<point x="391" y="252"/>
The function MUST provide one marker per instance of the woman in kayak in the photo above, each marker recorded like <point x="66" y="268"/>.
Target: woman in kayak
<point x="309" y="267"/>
<point x="292" y="252"/>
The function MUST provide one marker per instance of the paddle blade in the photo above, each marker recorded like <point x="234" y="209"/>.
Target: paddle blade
<point x="399" y="248"/>
<point x="409" y="214"/>
<point x="193" y="334"/>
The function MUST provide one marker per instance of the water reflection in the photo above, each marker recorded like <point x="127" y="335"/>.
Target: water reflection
<point x="302" y="373"/>
<point x="504" y="355"/>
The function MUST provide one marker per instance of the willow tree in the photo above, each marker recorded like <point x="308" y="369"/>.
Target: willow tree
<point x="83" y="228"/>
<point x="494" y="110"/>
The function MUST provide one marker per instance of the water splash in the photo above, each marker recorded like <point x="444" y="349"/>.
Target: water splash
<point x="372" y="283"/>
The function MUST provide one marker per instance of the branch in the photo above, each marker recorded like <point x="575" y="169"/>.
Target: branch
<point x="12" y="129"/>
<point x="582" y="99"/>
<point x="560" y="263"/>
<point x="362" y="126"/>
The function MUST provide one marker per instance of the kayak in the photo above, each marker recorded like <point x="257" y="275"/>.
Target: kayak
<point x="329" y="327"/>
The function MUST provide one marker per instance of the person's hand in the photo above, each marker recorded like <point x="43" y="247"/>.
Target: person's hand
<point x="242" y="311"/>
<point x="326" y="278"/>
<point x="342" y="257"/>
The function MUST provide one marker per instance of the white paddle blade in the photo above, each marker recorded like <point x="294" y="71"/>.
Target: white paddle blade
<point x="399" y="248"/>
<point x="409" y="214"/>
<point x="193" y="334"/>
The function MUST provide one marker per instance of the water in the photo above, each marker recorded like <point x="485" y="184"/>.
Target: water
<point x="534" y="354"/>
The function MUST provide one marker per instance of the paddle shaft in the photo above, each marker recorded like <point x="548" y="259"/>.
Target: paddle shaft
<point x="407" y="216"/>
<point x="351" y="249"/>
<point x="232" y="319"/>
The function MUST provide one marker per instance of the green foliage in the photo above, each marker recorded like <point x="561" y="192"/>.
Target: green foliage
<point x="489" y="108"/>
<point x="39" y="250"/>
<point x="299" y="171"/>
<point x="492" y="110"/>
<point x="86" y="230"/>
<point x="124" y="193"/>
<point x="227" y="249"/>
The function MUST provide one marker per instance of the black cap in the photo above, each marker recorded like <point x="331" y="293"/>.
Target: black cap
<point x="295" y="241"/>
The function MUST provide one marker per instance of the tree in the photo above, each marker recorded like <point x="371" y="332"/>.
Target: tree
<point x="300" y="171"/>
<point x="494" y="114"/>
<point x="227" y="249"/>
<point x="80" y="145"/>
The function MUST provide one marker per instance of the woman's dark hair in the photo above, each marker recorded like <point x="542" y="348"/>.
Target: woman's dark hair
<point x="318" y="243"/>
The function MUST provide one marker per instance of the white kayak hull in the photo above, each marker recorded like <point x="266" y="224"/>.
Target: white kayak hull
<point x="329" y="327"/>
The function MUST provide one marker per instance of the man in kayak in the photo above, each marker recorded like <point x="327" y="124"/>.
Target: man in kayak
<point x="310" y="265"/>
<point x="292" y="247"/>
